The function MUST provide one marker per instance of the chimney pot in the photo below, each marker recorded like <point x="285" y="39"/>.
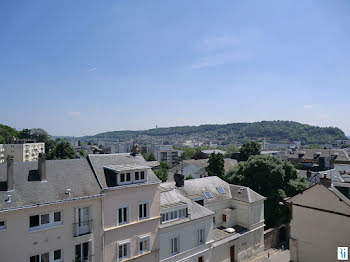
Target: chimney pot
<point x="179" y="180"/>
<point x="10" y="161"/>
<point x="326" y="181"/>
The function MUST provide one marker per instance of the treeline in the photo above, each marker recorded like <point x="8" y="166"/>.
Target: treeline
<point x="54" y="149"/>
<point x="271" y="131"/>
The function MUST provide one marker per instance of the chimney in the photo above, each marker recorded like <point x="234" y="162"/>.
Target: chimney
<point x="136" y="150"/>
<point x="326" y="181"/>
<point x="10" y="161"/>
<point x="42" y="166"/>
<point x="179" y="180"/>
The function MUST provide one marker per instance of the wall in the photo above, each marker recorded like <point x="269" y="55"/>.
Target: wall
<point x="188" y="237"/>
<point x="18" y="243"/>
<point x="131" y="195"/>
<point x="315" y="235"/>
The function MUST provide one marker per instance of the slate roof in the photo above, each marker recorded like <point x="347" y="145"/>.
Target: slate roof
<point x="99" y="161"/>
<point x="309" y="154"/>
<point x="75" y="174"/>
<point x="172" y="198"/>
<point x="195" y="188"/>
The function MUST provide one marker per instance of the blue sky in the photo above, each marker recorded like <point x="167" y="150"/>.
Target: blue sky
<point x="84" y="67"/>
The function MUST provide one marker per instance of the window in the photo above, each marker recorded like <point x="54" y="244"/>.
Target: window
<point x="142" y="175"/>
<point x="54" y="256"/>
<point x="123" y="215"/>
<point x="175" y="245"/>
<point x="224" y="217"/>
<point x="122" y="177"/>
<point x="45" y="220"/>
<point x="2" y="225"/>
<point x="128" y="177"/>
<point x="143" y="210"/>
<point x="200" y="259"/>
<point x="144" y="244"/>
<point x="123" y="250"/>
<point x="208" y="195"/>
<point x="201" y="236"/>
<point x="137" y="176"/>
<point x="221" y="190"/>
<point x="174" y="215"/>
<point x="82" y="252"/>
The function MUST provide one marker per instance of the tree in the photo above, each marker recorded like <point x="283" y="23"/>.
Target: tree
<point x="24" y="134"/>
<point x="248" y="149"/>
<point x="60" y="149"/>
<point x="200" y="155"/>
<point x="188" y="153"/>
<point x="82" y="152"/>
<point x="162" y="174"/>
<point x="272" y="178"/>
<point x="149" y="156"/>
<point x="189" y="177"/>
<point x="216" y="165"/>
<point x="39" y="135"/>
<point x="6" y="133"/>
<point x="230" y="150"/>
<point x="164" y="165"/>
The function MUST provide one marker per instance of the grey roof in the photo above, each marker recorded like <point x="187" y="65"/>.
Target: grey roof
<point x="98" y="163"/>
<point x="220" y="233"/>
<point x="195" y="188"/>
<point x="309" y="154"/>
<point x="152" y="164"/>
<point x="172" y="198"/>
<point x="75" y="174"/>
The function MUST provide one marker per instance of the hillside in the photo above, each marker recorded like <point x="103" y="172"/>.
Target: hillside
<point x="271" y="131"/>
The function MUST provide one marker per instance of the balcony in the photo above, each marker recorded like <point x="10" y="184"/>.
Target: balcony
<point x="84" y="259"/>
<point x="83" y="228"/>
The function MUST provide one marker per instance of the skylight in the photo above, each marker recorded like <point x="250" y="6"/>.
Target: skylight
<point x="221" y="190"/>
<point x="208" y="195"/>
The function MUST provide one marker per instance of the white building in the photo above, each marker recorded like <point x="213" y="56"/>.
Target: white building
<point x="24" y="152"/>
<point x="231" y="216"/>
<point x="130" y="207"/>
<point x="47" y="214"/>
<point x="320" y="222"/>
<point x="166" y="153"/>
<point x="2" y="153"/>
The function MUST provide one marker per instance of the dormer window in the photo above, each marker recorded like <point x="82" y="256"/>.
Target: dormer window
<point x="117" y="175"/>
<point x="208" y="195"/>
<point x="142" y="175"/>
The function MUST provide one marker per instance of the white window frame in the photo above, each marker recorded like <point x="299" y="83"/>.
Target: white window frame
<point x="126" y="182"/>
<point x="124" y="256"/>
<point x="127" y="214"/>
<point x="201" y="236"/>
<point x="82" y="251"/>
<point x="51" y="223"/>
<point x="51" y="256"/>
<point x="140" y="180"/>
<point x="142" y="239"/>
<point x="142" y="210"/>
<point x="172" y="245"/>
<point x="2" y="228"/>
<point x="173" y="214"/>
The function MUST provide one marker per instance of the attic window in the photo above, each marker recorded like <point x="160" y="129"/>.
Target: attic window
<point x="221" y="190"/>
<point x="208" y="195"/>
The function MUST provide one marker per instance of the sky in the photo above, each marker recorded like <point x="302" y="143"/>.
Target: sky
<point x="83" y="67"/>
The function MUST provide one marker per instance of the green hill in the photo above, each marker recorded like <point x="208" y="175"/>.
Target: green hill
<point x="271" y="131"/>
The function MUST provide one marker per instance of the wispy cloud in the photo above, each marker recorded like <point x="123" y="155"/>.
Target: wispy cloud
<point x="308" y="106"/>
<point x="74" y="113"/>
<point x="215" y="60"/>
<point x="218" y="42"/>
<point x="91" y="68"/>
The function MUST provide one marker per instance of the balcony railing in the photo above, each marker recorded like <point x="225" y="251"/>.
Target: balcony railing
<point x="83" y="228"/>
<point x="84" y="259"/>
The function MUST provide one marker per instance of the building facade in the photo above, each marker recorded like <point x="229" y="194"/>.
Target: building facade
<point x="166" y="153"/>
<point x="2" y="153"/>
<point x="130" y="207"/>
<point x="320" y="223"/>
<point x="24" y="152"/>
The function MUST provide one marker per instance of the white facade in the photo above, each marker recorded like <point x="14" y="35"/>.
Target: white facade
<point x="24" y="152"/>
<point x="2" y="153"/>
<point x="166" y="153"/>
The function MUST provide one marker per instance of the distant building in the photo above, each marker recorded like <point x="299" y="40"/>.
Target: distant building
<point x="196" y="168"/>
<point x="320" y="222"/>
<point x="339" y="156"/>
<point x="166" y="153"/>
<point x="24" y="152"/>
<point x="215" y="151"/>
<point x="2" y="153"/>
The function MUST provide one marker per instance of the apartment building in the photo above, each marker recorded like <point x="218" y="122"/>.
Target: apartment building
<point x="222" y="222"/>
<point x="50" y="211"/>
<point x="320" y="222"/>
<point x="186" y="228"/>
<point x="166" y="153"/>
<point x="2" y="153"/>
<point x="24" y="152"/>
<point x="131" y="206"/>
